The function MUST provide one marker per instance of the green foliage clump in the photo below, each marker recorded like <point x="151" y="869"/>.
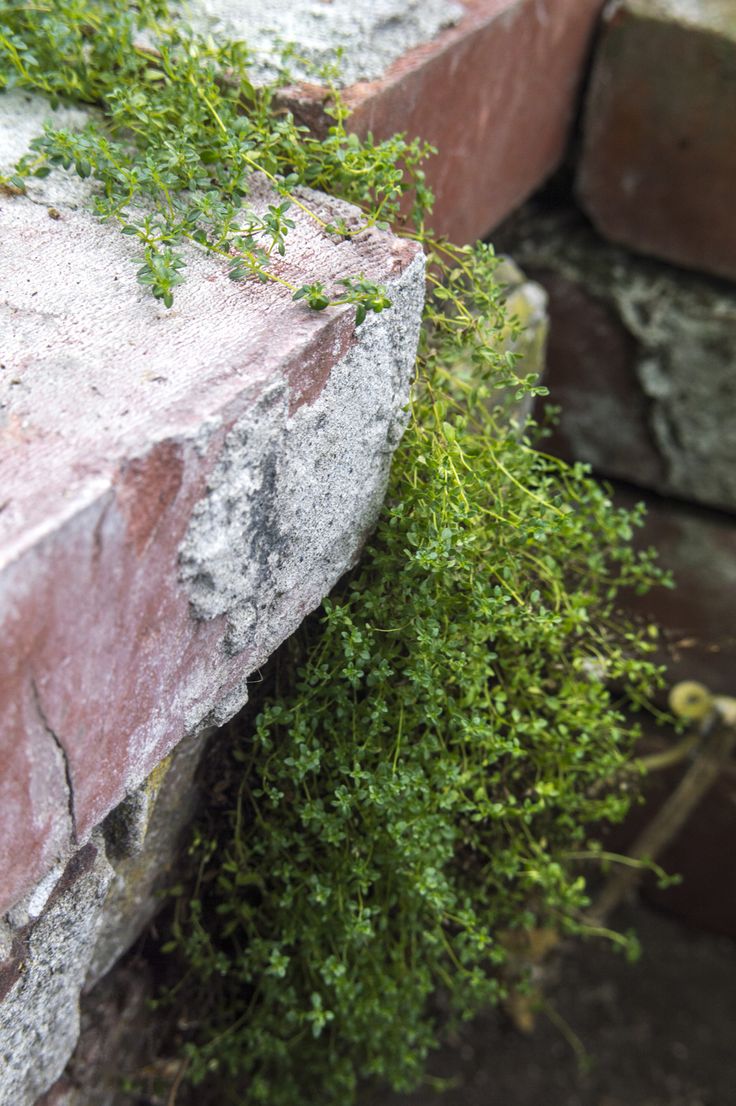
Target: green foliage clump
<point x="442" y="745"/>
<point x="444" y="739"/>
<point x="183" y="142"/>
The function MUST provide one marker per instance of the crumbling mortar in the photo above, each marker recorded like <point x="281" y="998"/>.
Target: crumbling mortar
<point x="684" y="329"/>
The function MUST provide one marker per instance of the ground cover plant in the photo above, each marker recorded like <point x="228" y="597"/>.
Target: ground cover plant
<point x="423" y="785"/>
<point x="409" y="811"/>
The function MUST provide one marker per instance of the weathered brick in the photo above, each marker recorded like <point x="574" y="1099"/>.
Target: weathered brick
<point x="179" y="488"/>
<point x="640" y="360"/>
<point x="658" y="164"/>
<point x="495" y="90"/>
<point x="39" y="1013"/>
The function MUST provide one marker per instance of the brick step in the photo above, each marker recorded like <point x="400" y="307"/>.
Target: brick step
<point x="179" y="487"/>
<point x="492" y="84"/>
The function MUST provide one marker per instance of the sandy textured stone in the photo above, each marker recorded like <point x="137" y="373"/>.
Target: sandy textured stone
<point x="371" y="34"/>
<point x="117" y="1040"/>
<point x="658" y="165"/>
<point x="70" y="930"/>
<point x="495" y="90"/>
<point x="640" y="359"/>
<point x="124" y="429"/>
<point x="41" y="982"/>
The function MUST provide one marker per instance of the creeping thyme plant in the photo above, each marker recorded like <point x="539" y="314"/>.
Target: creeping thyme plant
<point x="441" y="741"/>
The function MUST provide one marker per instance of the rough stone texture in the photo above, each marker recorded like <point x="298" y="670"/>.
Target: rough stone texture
<point x="40" y="983"/>
<point x="640" y="360"/>
<point x="142" y="834"/>
<point x="66" y="935"/>
<point x="372" y="34"/>
<point x="658" y="166"/>
<point x="123" y="431"/>
<point x="117" y="1040"/>
<point x="495" y="91"/>
<point x="179" y="488"/>
<point x="143" y="837"/>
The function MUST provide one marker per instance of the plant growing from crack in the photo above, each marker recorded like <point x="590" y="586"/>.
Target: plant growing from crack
<point x="437" y="747"/>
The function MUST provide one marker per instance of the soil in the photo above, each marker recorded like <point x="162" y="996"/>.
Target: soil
<point x="659" y="1032"/>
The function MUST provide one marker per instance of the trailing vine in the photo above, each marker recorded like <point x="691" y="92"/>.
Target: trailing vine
<point x="420" y="787"/>
<point x="440" y="743"/>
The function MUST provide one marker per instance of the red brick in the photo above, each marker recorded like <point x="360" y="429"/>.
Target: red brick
<point x="496" y="94"/>
<point x="658" y="166"/>
<point x="123" y="425"/>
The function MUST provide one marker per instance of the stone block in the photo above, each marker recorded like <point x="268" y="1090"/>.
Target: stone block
<point x="41" y="980"/>
<point x="118" y="1036"/>
<point x="143" y="836"/>
<point x="640" y="360"/>
<point x="62" y="938"/>
<point x="179" y="488"/>
<point x="658" y="164"/>
<point x="492" y="84"/>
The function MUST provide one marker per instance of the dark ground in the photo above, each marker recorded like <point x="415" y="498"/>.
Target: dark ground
<point x="660" y="1032"/>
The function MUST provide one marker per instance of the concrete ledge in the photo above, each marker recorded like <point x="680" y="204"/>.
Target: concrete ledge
<point x="179" y="488"/>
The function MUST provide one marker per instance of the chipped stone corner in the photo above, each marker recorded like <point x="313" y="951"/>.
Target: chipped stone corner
<point x="39" y="1009"/>
<point x="63" y="937"/>
<point x="293" y="494"/>
<point x="292" y="497"/>
<point x="142" y="838"/>
<point x="289" y="504"/>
